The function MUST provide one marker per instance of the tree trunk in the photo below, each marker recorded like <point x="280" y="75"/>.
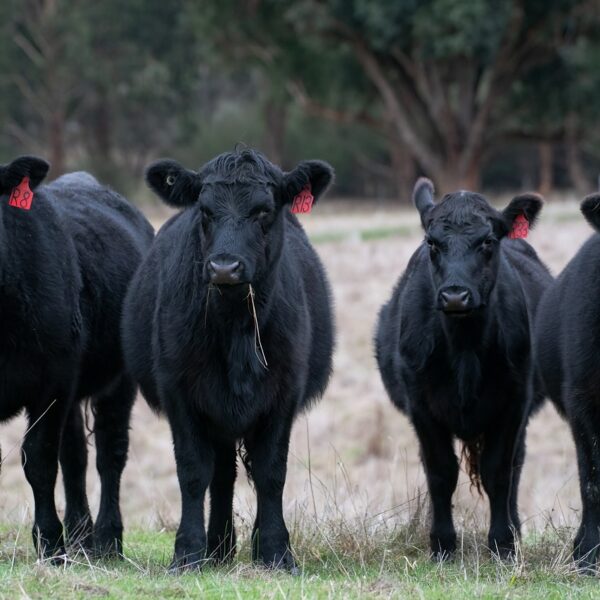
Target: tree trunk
<point x="545" y="181"/>
<point x="450" y="178"/>
<point x="100" y="145"/>
<point x="574" y="166"/>
<point x="403" y="169"/>
<point x="56" y="137"/>
<point x="275" y="115"/>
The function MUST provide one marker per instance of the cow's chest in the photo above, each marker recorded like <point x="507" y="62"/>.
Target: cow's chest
<point x="232" y="389"/>
<point x="470" y="393"/>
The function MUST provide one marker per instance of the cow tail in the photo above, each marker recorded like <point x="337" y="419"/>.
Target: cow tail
<point x="470" y="457"/>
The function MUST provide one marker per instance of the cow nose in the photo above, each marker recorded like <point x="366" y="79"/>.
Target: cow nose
<point x="224" y="274"/>
<point x="455" y="300"/>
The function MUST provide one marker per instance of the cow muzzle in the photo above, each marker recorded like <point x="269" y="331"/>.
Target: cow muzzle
<point x="455" y="301"/>
<point x="225" y="271"/>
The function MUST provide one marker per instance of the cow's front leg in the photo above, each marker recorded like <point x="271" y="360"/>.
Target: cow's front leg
<point x="501" y="463"/>
<point x="221" y="530"/>
<point x="584" y="425"/>
<point x="267" y="449"/>
<point x="40" y="462"/>
<point x="441" y="469"/>
<point x="194" y="456"/>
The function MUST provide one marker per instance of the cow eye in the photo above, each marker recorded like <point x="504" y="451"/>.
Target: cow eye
<point x="433" y="248"/>
<point x="487" y="243"/>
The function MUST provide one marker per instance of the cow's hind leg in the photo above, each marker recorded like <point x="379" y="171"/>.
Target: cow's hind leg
<point x="221" y="532"/>
<point x="112" y="412"/>
<point x="518" y="462"/>
<point x="40" y="462"/>
<point x="441" y="469"/>
<point x="584" y="421"/>
<point x="73" y="462"/>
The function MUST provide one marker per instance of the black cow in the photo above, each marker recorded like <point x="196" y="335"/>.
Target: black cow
<point x="68" y="252"/>
<point x="454" y="351"/>
<point x="228" y="329"/>
<point x="567" y="335"/>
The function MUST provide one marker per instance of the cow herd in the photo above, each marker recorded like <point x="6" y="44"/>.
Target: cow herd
<point x="224" y="322"/>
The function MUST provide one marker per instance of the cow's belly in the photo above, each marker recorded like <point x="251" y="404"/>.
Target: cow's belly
<point x="29" y="379"/>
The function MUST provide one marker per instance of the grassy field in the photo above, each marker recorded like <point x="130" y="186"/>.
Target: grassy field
<point x="354" y="496"/>
<point x="335" y="563"/>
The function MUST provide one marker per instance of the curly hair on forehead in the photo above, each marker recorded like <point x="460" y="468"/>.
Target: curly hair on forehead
<point x="243" y="165"/>
<point x="461" y="207"/>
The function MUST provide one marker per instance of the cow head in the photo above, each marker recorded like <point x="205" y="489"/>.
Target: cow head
<point x="239" y="199"/>
<point x="463" y="234"/>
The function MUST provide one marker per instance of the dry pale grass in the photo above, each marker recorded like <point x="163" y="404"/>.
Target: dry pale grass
<point x="354" y="461"/>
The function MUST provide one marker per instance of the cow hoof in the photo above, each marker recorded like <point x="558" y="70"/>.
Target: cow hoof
<point x="221" y="551"/>
<point x="51" y="551"/>
<point x="504" y="554"/>
<point x="584" y="557"/>
<point x="108" y="542"/>
<point x="79" y="534"/>
<point x="187" y="561"/>
<point x="441" y="556"/>
<point x="443" y="547"/>
<point x="502" y="549"/>
<point x="283" y="561"/>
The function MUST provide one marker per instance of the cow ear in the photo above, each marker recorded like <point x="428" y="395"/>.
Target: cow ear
<point x="317" y="173"/>
<point x="590" y="207"/>
<point x="13" y="173"/>
<point x="423" y="199"/>
<point x="174" y="184"/>
<point x="526" y="205"/>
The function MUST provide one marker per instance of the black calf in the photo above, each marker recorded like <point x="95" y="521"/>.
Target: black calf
<point x="454" y="351"/>
<point x="228" y="328"/>
<point x="567" y="334"/>
<point x="68" y="251"/>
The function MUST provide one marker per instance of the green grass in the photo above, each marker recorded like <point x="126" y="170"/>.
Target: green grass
<point x="336" y="560"/>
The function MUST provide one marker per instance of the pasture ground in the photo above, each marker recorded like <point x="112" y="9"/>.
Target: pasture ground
<point x="355" y="496"/>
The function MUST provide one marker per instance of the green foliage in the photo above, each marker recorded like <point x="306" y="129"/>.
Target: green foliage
<point x="111" y="85"/>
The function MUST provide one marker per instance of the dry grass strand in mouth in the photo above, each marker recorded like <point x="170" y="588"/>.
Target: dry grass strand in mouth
<point x="262" y="359"/>
<point x="210" y="288"/>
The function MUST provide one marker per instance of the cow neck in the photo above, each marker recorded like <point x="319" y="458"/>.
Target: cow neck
<point x="465" y="333"/>
<point x="465" y="338"/>
<point x="237" y="329"/>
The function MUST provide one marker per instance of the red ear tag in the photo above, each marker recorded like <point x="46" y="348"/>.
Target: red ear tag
<point x="520" y="229"/>
<point x="21" y="196"/>
<point x="303" y="202"/>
